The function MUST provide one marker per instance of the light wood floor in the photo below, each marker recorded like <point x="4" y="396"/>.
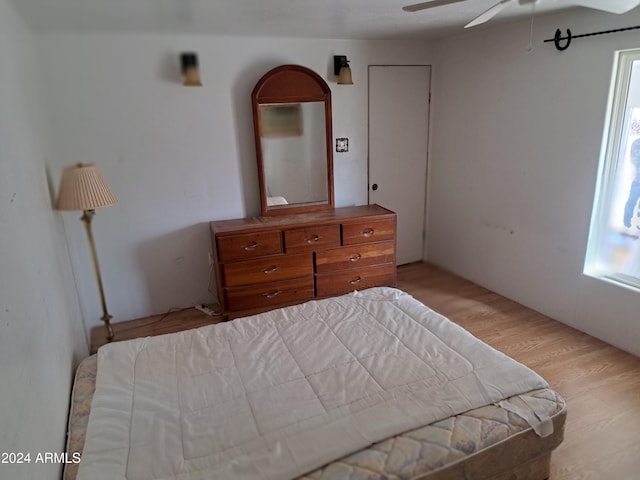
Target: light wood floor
<point x="600" y="383"/>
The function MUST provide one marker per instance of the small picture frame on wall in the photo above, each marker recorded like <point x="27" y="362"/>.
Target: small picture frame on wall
<point x="284" y="120"/>
<point x="342" y="144"/>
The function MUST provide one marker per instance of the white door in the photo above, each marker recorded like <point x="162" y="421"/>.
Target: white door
<point x="398" y="140"/>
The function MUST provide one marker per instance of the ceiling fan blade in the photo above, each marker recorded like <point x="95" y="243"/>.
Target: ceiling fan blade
<point x="611" y="6"/>
<point x="489" y="14"/>
<point x="424" y="5"/>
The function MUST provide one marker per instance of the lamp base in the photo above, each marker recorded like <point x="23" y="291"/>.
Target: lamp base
<point x="107" y="323"/>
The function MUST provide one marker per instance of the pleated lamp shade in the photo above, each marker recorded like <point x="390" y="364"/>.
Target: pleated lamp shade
<point x="83" y="188"/>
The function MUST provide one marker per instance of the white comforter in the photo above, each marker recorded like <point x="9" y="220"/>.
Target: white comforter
<point x="279" y="394"/>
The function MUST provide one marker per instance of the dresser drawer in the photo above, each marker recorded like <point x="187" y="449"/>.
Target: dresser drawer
<point x="269" y="269"/>
<point x="349" y="280"/>
<point x="368" y="231"/>
<point x="248" y="245"/>
<point x="356" y="256"/>
<point x="309" y="239"/>
<point x="255" y="296"/>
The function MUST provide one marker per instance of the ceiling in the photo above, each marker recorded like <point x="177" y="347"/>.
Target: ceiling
<point x="346" y="19"/>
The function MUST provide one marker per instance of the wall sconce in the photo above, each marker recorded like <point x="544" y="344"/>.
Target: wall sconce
<point x="190" y="71"/>
<point x="342" y="70"/>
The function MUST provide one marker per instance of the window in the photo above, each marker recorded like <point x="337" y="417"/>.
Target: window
<point x="613" y="252"/>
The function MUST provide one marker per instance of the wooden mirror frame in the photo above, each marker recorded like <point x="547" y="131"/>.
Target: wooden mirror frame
<point x="292" y="84"/>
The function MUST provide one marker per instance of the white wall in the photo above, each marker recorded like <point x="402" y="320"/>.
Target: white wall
<point x="179" y="157"/>
<point x="41" y="332"/>
<point x="515" y="150"/>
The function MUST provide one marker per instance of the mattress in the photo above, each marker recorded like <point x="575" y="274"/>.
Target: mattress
<point x="467" y="439"/>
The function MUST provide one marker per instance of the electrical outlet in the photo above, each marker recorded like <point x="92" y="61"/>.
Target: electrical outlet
<point x="210" y="258"/>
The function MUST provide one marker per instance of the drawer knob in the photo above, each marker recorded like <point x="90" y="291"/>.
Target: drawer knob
<point x="355" y="280"/>
<point x="251" y="246"/>
<point x="313" y="239"/>
<point x="272" y="294"/>
<point x="368" y="232"/>
<point x="273" y="269"/>
<point x="355" y="258"/>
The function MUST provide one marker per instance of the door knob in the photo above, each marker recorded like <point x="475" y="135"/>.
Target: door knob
<point x="374" y="187"/>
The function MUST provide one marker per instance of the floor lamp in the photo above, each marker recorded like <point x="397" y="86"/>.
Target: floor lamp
<point x="83" y="188"/>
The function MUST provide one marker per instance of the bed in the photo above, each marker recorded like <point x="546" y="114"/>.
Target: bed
<point x="395" y="391"/>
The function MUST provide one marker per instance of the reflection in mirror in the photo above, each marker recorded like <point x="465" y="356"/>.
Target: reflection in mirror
<point x="292" y="125"/>
<point x="292" y="139"/>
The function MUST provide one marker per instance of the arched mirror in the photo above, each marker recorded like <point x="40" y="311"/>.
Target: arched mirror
<point x="292" y="124"/>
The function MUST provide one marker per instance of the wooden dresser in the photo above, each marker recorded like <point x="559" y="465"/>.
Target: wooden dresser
<point x="268" y="262"/>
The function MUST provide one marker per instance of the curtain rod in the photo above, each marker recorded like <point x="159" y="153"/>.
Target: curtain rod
<point x="559" y="38"/>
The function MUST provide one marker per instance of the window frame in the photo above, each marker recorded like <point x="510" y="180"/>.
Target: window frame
<point x="610" y="158"/>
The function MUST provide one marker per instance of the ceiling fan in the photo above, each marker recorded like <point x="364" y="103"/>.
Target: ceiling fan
<point x="611" y="6"/>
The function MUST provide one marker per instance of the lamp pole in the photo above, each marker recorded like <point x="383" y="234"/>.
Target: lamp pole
<point x="106" y="318"/>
